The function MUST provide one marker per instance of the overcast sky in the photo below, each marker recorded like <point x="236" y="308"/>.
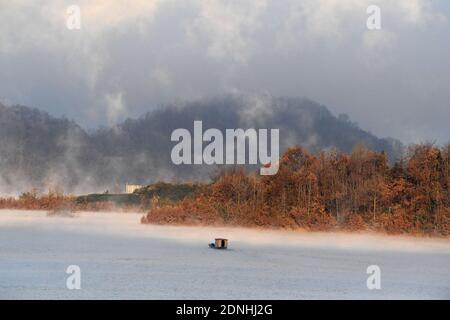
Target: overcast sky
<point x="130" y="56"/>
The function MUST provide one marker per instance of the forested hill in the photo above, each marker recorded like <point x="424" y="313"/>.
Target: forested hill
<point x="38" y="150"/>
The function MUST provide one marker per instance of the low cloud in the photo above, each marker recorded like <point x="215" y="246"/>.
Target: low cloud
<point x="129" y="58"/>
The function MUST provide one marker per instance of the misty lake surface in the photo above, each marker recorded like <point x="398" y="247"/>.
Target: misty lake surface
<point x="121" y="259"/>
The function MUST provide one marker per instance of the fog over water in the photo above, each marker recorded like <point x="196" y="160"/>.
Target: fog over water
<point x="120" y="258"/>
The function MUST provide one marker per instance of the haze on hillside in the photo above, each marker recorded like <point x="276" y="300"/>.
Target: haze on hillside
<point x="41" y="151"/>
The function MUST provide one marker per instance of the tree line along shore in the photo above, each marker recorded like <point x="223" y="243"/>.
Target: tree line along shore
<point x="329" y="190"/>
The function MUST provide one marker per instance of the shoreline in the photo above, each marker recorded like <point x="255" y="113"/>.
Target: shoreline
<point x="256" y="234"/>
<point x="369" y="232"/>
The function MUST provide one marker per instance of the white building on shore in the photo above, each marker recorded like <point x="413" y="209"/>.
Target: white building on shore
<point x="130" y="188"/>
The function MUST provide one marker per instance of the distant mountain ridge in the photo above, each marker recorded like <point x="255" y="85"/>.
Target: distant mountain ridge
<point x="38" y="150"/>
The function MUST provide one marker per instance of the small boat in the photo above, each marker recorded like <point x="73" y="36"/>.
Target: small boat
<point x="219" y="243"/>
